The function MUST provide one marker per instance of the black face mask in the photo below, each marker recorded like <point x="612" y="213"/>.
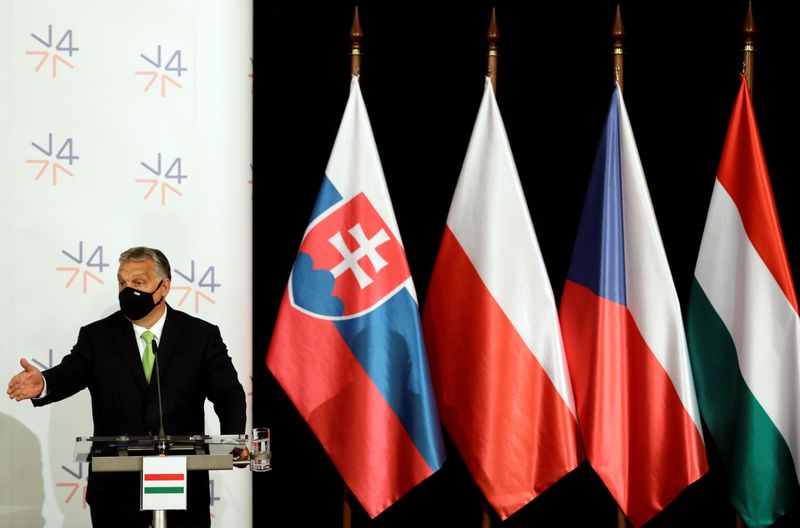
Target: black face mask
<point x="135" y="304"/>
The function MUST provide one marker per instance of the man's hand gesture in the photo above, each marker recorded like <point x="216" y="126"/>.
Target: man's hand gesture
<point x="27" y="384"/>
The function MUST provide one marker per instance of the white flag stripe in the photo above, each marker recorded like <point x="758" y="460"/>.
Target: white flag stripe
<point x="651" y="296"/>
<point x="354" y="165"/>
<point x="489" y="218"/>
<point x="763" y="324"/>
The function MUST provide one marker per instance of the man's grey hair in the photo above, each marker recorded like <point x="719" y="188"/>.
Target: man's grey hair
<point x="141" y="254"/>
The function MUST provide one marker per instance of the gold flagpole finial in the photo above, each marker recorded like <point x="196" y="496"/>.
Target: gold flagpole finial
<point x="355" y="47"/>
<point x="617" y="35"/>
<point x="749" y="31"/>
<point x="493" y="35"/>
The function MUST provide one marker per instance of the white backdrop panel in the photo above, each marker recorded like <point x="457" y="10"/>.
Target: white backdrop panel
<point x="121" y="124"/>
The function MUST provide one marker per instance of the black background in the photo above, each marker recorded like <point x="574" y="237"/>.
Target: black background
<point x="423" y="68"/>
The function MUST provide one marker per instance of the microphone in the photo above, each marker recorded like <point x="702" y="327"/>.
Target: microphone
<point x="162" y="438"/>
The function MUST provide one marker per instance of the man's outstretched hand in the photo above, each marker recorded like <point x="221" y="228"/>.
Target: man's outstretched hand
<point x="27" y="384"/>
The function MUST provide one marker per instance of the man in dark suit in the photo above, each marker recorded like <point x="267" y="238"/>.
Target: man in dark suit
<point x="112" y="359"/>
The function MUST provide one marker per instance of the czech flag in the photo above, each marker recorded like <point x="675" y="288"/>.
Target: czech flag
<point x="624" y="338"/>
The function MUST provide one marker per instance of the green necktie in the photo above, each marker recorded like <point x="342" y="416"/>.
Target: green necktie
<point x="148" y="358"/>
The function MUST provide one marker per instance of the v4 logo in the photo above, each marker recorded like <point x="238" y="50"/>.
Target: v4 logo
<point x="166" y="69"/>
<point x="93" y="259"/>
<point x="54" y="159"/>
<point x="63" y="45"/>
<point x="206" y="281"/>
<point x="250" y="75"/>
<point x="72" y="477"/>
<point x="170" y="170"/>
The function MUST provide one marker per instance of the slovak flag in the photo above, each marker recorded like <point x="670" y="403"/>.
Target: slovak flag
<point x="492" y="330"/>
<point x="624" y="338"/>
<point x="347" y="346"/>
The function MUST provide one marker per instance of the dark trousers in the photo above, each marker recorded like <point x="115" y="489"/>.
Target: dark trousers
<point x="110" y="517"/>
<point x="114" y="502"/>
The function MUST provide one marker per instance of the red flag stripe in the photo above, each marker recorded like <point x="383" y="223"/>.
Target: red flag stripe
<point x="509" y="422"/>
<point x="644" y="464"/>
<point x="164" y="476"/>
<point x="752" y="193"/>
<point x="340" y="402"/>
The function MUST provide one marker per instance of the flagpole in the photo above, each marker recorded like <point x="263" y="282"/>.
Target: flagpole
<point x="749" y="31"/>
<point x="493" y="35"/>
<point x="355" y="47"/>
<point x="617" y="34"/>
<point x="355" y="70"/>
<point x="486" y="520"/>
<point x="347" y="508"/>
<point x="622" y="521"/>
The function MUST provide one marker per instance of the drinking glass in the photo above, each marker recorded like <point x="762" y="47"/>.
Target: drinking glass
<point x="261" y="453"/>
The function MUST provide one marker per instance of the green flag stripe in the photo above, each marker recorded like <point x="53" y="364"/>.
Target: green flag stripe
<point x="763" y="483"/>
<point x="165" y="489"/>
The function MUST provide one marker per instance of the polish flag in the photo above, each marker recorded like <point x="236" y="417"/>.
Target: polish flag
<point x="494" y="343"/>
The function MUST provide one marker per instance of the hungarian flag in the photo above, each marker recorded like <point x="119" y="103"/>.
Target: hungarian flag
<point x="163" y="483"/>
<point x="492" y="331"/>
<point x="624" y="338"/>
<point x="743" y="330"/>
<point x="347" y="346"/>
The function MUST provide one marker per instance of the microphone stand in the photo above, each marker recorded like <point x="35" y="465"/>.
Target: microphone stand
<point x="161" y="439"/>
<point x="161" y="444"/>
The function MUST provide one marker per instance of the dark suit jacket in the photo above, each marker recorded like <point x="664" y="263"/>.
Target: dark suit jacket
<point x="194" y="365"/>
